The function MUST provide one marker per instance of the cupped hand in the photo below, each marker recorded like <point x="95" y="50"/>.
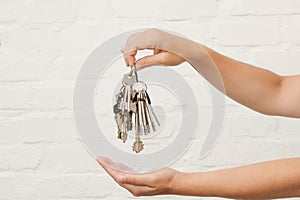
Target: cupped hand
<point x="140" y="184"/>
<point x="152" y="39"/>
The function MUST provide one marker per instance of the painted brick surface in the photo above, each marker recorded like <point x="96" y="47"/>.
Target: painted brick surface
<point x="43" y="45"/>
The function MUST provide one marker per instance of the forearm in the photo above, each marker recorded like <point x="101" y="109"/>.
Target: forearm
<point x="273" y="179"/>
<point x="253" y="87"/>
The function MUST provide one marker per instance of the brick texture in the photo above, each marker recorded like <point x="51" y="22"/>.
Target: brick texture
<point x="43" y="45"/>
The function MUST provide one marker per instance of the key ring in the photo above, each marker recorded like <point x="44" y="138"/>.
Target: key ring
<point x="140" y="86"/>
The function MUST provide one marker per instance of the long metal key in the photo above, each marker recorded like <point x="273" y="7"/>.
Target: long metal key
<point x="150" y="109"/>
<point x="138" y="145"/>
<point x="128" y="81"/>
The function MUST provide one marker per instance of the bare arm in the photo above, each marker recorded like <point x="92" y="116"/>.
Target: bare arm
<point x="273" y="179"/>
<point x="259" y="89"/>
<point x="256" y="88"/>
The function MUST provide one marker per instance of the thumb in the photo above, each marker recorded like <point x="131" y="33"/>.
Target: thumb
<point x="147" y="61"/>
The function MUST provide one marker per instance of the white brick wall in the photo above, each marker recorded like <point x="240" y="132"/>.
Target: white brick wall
<point x="265" y="7"/>
<point x="44" y="43"/>
<point x="247" y="33"/>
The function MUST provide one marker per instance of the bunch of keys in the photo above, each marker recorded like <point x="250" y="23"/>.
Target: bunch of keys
<point x="133" y="104"/>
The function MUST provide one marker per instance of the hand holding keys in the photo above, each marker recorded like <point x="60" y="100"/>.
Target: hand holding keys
<point x="133" y="100"/>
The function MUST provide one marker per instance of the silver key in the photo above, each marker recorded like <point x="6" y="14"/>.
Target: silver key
<point x="121" y="133"/>
<point x="140" y="114"/>
<point x="133" y="102"/>
<point x="125" y="109"/>
<point x="142" y="87"/>
<point x="119" y="98"/>
<point x="145" y="115"/>
<point x="119" y="117"/>
<point x="139" y="89"/>
<point x="150" y="119"/>
<point x="138" y="145"/>
<point x="150" y="109"/>
<point x="127" y="81"/>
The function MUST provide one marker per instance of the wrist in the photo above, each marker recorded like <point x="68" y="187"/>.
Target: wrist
<point x="193" y="184"/>
<point x="178" y="183"/>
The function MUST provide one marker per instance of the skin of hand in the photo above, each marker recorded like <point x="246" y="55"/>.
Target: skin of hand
<point x="146" y="184"/>
<point x="159" y="57"/>
<point x="272" y="179"/>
